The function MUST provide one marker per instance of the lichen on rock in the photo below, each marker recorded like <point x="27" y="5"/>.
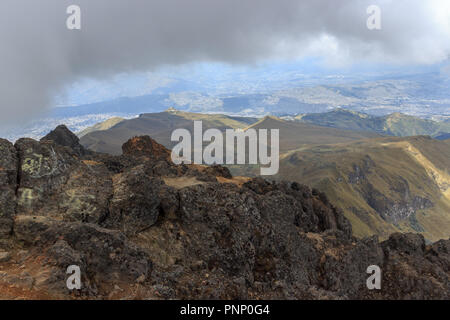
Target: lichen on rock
<point x="126" y="223"/>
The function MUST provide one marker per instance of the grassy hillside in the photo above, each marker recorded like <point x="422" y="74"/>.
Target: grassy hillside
<point x="395" y="124"/>
<point x="157" y="125"/>
<point x="398" y="124"/>
<point x="295" y="135"/>
<point x="383" y="185"/>
<point x="161" y="125"/>
<point x="101" y="126"/>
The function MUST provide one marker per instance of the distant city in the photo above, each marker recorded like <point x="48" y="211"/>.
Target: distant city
<point x="283" y="89"/>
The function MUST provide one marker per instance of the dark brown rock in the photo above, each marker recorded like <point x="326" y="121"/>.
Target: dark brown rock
<point x="103" y="255"/>
<point x="64" y="137"/>
<point x="8" y="185"/>
<point x="253" y="239"/>
<point x="135" y="204"/>
<point x="145" y="146"/>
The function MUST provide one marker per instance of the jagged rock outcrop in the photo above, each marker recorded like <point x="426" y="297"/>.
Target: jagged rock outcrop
<point x="62" y="136"/>
<point x="137" y="201"/>
<point x="102" y="254"/>
<point x="54" y="182"/>
<point x="147" y="147"/>
<point x="139" y="226"/>
<point x="8" y="184"/>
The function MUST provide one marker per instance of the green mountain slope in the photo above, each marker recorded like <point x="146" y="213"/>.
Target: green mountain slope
<point x="383" y="185"/>
<point x="296" y="134"/>
<point x="395" y="124"/>
<point x="159" y="126"/>
<point x="105" y="125"/>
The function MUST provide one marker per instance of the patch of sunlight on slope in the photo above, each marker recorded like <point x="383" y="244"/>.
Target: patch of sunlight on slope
<point x="441" y="178"/>
<point x="436" y="221"/>
<point x="219" y="119"/>
<point x="101" y="126"/>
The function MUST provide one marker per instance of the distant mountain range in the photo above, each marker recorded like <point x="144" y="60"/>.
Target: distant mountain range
<point x="111" y="136"/>
<point x="279" y="92"/>
<point x="422" y="94"/>
<point x="161" y="125"/>
<point x="425" y="96"/>
<point x="395" y="124"/>
<point x="444" y="136"/>
<point x="384" y="184"/>
<point x="278" y="89"/>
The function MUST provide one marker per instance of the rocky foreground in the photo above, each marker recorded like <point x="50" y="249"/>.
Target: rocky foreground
<point x="140" y="227"/>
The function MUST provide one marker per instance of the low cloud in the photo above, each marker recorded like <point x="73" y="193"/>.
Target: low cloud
<point x="39" y="55"/>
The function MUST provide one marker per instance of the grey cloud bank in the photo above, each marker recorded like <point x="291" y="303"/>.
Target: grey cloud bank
<point x="39" y="55"/>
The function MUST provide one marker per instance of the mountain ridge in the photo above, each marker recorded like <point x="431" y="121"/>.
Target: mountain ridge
<point x="136" y="237"/>
<point x="161" y="125"/>
<point x="395" y="124"/>
<point x="387" y="201"/>
<point x="402" y="184"/>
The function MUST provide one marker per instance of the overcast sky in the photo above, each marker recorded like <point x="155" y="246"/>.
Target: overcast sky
<point x="39" y="56"/>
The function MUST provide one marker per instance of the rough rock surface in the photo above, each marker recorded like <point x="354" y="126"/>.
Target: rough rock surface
<point x="8" y="185"/>
<point x="64" y="137"/>
<point x="139" y="226"/>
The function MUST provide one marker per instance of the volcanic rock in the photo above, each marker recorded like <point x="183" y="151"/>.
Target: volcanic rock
<point x="64" y="137"/>
<point x="145" y="146"/>
<point x="8" y="184"/>
<point x="156" y="230"/>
